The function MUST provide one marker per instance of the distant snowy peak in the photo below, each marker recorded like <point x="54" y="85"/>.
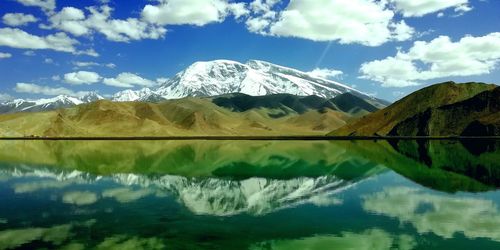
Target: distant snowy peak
<point x="61" y="101"/>
<point x="253" y="78"/>
<point x="129" y="95"/>
<point x="91" y="97"/>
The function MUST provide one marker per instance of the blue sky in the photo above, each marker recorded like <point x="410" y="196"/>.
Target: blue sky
<point x="50" y="47"/>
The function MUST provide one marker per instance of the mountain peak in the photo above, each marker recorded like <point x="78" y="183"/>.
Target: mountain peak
<point x="91" y="97"/>
<point x="255" y="77"/>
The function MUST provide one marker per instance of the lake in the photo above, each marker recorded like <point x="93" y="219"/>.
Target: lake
<point x="250" y="194"/>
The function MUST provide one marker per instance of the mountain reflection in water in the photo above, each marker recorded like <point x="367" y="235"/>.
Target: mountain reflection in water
<point x="249" y="194"/>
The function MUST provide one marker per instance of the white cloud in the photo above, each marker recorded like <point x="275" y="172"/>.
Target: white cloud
<point x="5" y="55"/>
<point x="18" y="19"/>
<point x="401" y="31"/>
<point x="364" y="22"/>
<point x="31" y="88"/>
<point x="398" y="93"/>
<point x="88" y="52"/>
<point x="257" y="25"/>
<point x="126" y="195"/>
<point x="29" y="53"/>
<point x="161" y="80"/>
<point x="110" y="65"/>
<point x="412" y="8"/>
<point x="128" y="80"/>
<point x="374" y="239"/>
<point x="262" y="6"/>
<point x="326" y="73"/>
<point x="5" y="97"/>
<point x="238" y="10"/>
<point x="99" y="20"/>
<point x="71" y="20"/>
<point x="46" y="5"/>
<point x="16" y="38"/>
<point x="79" y="198"/>
<point x="55" y="78"/>
<point x="438" y="58"/>
<point x="81" y="64"/>
<point x="444" y="216"/>
<point x="48" y="61"/>
<point x="82" y="77"/>
<point x="85" y="64"/>
<point x="461" y="9"/>
<point x="192" y="12"/>
<point x="36" y="186"/>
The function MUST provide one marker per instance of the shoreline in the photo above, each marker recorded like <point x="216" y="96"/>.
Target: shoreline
<point x="248" y="138"/>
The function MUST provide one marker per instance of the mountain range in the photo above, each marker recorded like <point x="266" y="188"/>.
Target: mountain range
<point x="225" y="97"/>
<point x="232" y="114"/>
<point x="212" y="78"/>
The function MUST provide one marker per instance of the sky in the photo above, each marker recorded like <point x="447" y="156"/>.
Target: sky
<point x="387" y="48"/>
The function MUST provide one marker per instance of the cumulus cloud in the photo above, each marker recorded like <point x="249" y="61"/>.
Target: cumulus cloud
<point x="364" y="22"/>
<point x="31" y="88"/>
<point x="412" y="8"/>
<point x="74" y="21"/>
<point x="5" y="55"/>
<point x="128" y="80"/>
<point x="82" y="77"/>
<point x="46" y="5"/>
<point x="444" y="216"/>
<point x="194" y="12"/>
<point x="16" y="38"/>
<point x="325" y="73"/>
<point x="238" y="10"/>
<point x="18" y="19"/>
<point x="438" y="58"/>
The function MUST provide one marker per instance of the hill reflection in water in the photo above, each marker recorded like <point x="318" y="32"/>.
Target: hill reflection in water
<point x="249" y="194"/>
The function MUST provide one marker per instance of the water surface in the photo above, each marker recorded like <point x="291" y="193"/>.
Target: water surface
<point x="249" y="195"/>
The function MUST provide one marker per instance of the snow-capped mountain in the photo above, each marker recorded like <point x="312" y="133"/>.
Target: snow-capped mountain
<point x="61" y="101"/>
<point x="209" y="78"/>
<point x="143" y="95"/>
<point x="209" y="196"/>
<point x="91" y="97"/>
<point x="252" y="78"/>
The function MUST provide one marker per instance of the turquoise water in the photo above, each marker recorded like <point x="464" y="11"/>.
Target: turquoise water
<point x="249" y="195"/>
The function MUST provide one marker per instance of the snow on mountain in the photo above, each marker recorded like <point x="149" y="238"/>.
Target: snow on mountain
<point x="61" y="101"/>
<point x="253" y="78"/>
<point x="91" y="97"/>
<point x="209" y="78"/>
<point x="129" y="95"/>
<point x="211" y="196"/>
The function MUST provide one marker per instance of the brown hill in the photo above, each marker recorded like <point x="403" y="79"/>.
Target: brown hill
<point x="182" y="117"/>
<point x="439" y="110"/>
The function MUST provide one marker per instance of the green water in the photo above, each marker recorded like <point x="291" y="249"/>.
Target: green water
<point x="249" y="195"/>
